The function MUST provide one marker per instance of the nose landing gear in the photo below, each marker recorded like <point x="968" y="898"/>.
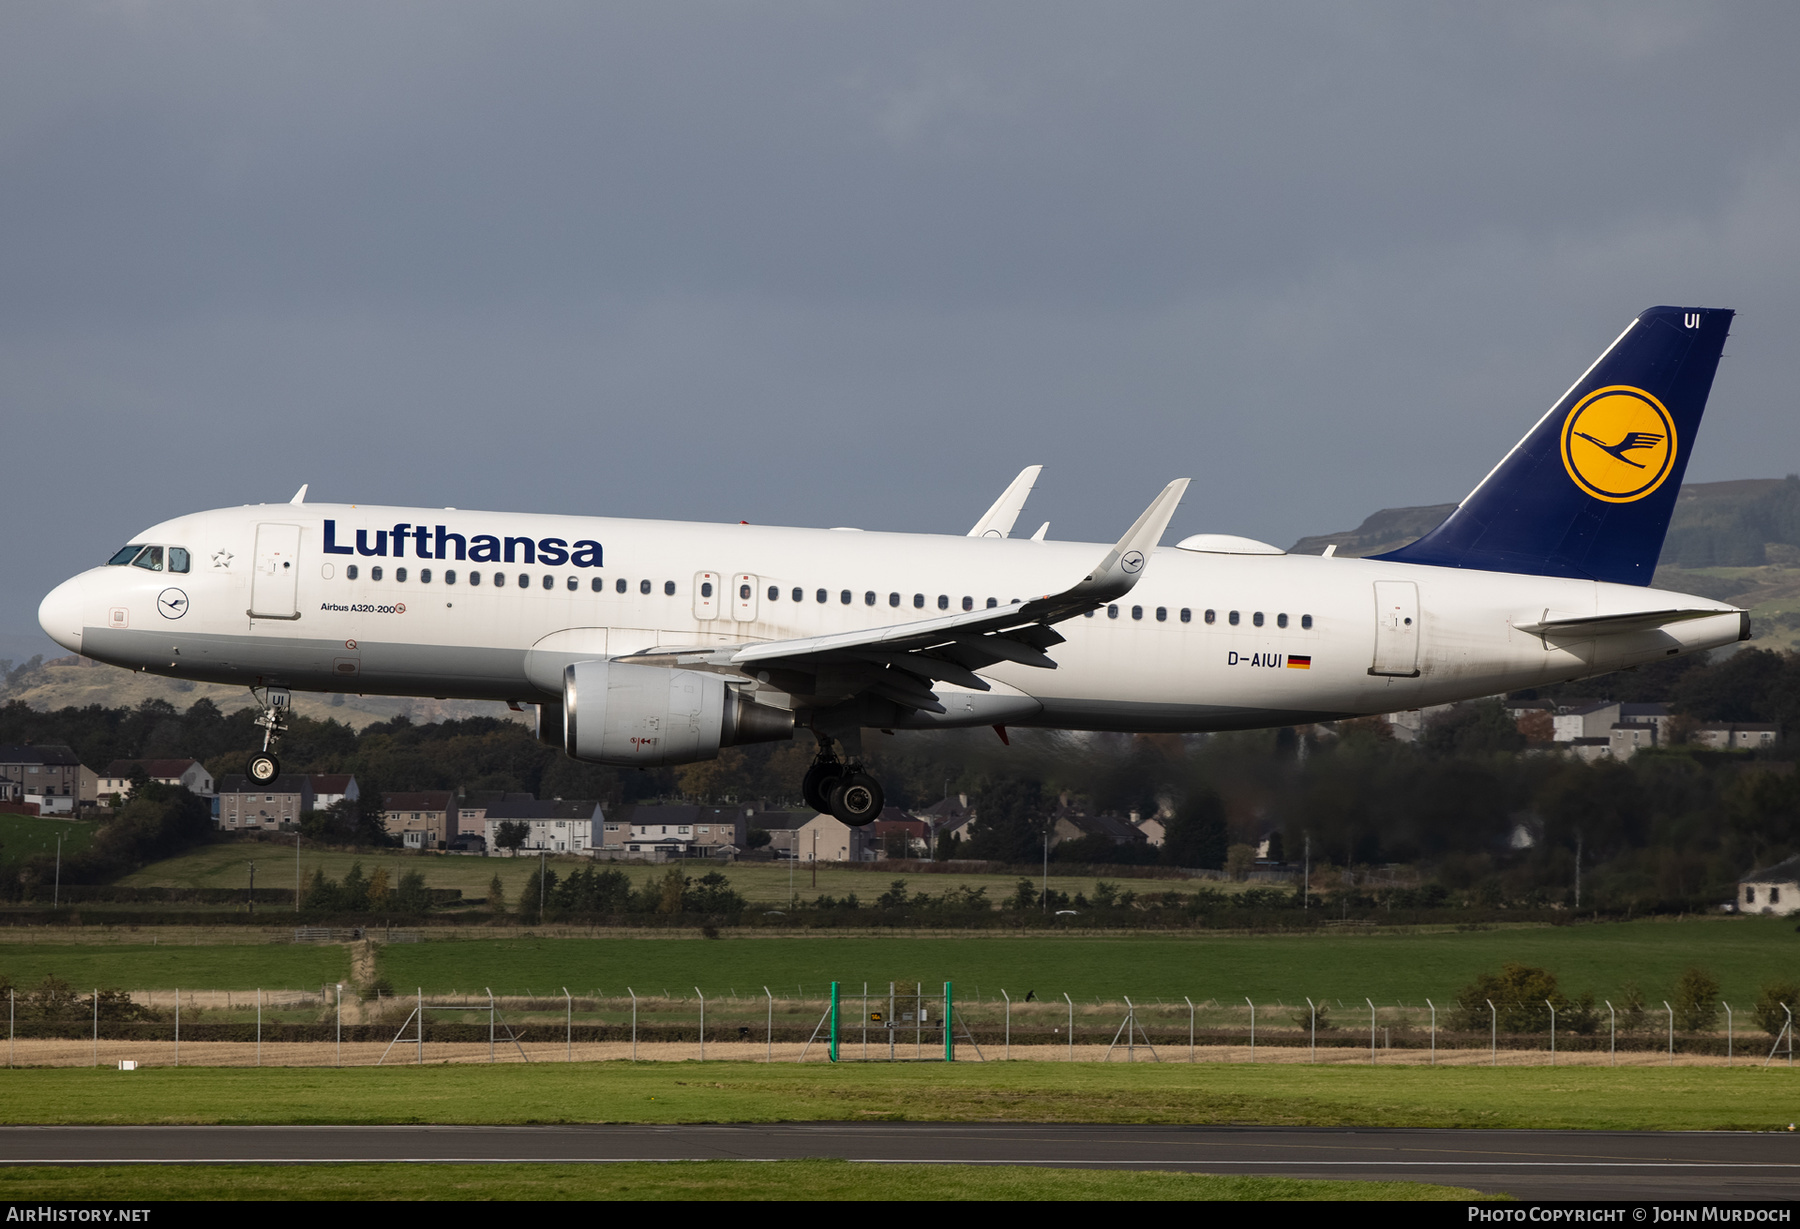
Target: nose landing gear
<point x="264" y="767"/>
<point x="842" y="790"/>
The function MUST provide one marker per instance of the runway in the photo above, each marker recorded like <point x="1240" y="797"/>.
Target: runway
<point x="1622" y="1165"/>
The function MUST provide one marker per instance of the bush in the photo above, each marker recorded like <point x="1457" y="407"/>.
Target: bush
<point x="1769" y="1003"/>
<point x="1696" y="1001"/>
<point x="1522" y="997"/>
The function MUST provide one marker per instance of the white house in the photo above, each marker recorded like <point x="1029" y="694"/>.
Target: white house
<point x="1774" y="889"/>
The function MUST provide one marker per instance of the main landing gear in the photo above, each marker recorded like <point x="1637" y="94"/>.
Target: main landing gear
<point x="263" y="767"/>
<point x="842" y="790"/>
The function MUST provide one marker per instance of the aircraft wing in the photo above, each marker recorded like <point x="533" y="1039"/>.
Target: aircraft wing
<point x="999" y="520"/>
<point x="899" y="661"/>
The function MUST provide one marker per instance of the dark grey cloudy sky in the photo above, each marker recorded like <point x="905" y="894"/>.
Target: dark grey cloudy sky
<point x="855" y="264"/>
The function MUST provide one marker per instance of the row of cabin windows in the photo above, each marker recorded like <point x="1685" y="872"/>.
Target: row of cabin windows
<point x="500" y="580"/>
<point x="845" y="596"/>
<point x="1232" y="617"/>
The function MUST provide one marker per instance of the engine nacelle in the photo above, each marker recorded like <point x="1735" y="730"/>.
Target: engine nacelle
<point x="646" y="716"/>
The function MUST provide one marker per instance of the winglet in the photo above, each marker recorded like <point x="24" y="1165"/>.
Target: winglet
<point x="1120" y="570"/>
<point x="998" y="522"/>
<point x="300" y="495"/>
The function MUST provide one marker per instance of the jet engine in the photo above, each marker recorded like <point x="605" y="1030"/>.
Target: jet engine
<point x="646" y="716"/>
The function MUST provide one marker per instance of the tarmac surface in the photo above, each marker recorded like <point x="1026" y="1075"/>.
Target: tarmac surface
<point x="1535" y="1165"/>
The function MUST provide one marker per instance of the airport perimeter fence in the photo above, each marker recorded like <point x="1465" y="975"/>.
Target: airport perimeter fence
<point x="846" y="1022"/>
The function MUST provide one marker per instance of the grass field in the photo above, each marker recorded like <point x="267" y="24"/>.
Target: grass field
<point x="1594" y="1098"/>
<point x="143" y="966"/>
<point x="222" y="866"/>
<point x="641" y="1180"/>
<point x="1743" y="953"/>
<point x="22" y="836"/>
<point x="1388" y="966"/>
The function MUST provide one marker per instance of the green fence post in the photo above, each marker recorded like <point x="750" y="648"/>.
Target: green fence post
<point x="949" y="1023"/>
<point x="834" y="1022"/>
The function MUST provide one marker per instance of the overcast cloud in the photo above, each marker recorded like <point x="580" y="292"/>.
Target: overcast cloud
<point x="844" y="264"/>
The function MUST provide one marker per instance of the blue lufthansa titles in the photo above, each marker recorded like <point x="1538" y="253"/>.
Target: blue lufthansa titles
<point x="435" y="542"/>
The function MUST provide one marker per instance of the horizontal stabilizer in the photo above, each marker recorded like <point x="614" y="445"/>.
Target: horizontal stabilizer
<point x="1618" y="624"/>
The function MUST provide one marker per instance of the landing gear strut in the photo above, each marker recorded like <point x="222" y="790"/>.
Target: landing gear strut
<point x="276" y="701"/>
<point x="842" y="790"/>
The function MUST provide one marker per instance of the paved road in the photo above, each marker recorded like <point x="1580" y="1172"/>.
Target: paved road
<point x="1527" y="1164"/>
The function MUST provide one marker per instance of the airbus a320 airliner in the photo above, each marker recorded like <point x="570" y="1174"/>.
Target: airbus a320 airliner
<point x="651" y="642"/>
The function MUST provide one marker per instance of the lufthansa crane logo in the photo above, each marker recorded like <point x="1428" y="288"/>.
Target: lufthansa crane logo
<point x="172" y="603"/>
<point x="1132" y="561"/>
<point x="1618" y="444"/>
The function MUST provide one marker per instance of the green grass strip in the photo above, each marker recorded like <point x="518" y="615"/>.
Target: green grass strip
<point x="1679" y="1098"/>
<point x="649" y="1180"/>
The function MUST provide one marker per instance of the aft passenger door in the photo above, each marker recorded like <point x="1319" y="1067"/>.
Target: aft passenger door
<point x="1396" y="629"/>
<point x="275" y="583"/>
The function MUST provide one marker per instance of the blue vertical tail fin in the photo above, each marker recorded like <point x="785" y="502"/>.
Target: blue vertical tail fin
<point x="1588" y="492"/>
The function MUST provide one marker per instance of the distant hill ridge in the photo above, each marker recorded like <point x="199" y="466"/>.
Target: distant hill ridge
<point x="1749" y="522"/>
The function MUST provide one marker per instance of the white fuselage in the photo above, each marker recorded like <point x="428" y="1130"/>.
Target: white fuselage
<point x="263" y="604"/>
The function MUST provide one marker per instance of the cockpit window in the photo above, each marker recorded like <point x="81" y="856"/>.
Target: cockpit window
<point x="150" y="559"/>
<point x="178" y="559"/>
<point x="125" y="556"/>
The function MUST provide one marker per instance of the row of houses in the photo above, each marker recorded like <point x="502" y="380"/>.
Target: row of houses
<point x="1592" y="729"/>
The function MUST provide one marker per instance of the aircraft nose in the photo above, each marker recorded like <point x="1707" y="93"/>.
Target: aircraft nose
<point x="61" y="613"/>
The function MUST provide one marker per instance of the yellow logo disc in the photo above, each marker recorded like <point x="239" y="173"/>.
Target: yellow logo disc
<point x="1618" y="444"/>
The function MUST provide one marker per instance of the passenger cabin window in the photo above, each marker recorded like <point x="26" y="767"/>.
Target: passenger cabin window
<point x="1257" y="618"/>
<point x="449" y="576"/>
<point x="1187" y="616"/>
<point x="669" y="588"/>
<point x="844" y="596"/>
<point x="1306" y="622"/>
<point x="620" y="586"/>
<point x="943" y="601"/>
<point x="918" y="601"/>
<point x="643" y="586"/>
<point x="150" y="559"/>
<point x="993" y="602"/>
<point x="475" y="578"/>
<point x="549" y="582"/>
<point x="375" y="572"/>
<point x="1212" y="616"/>
<point x="350" y="571"/>
<point x="1232" y="618"/>
<point x="706" y="589"/>
<point x="1137" y="612"/>
<point x="968" y="603"/>
<point x="869" y="598"/>
<point x="424" y="576"/>
<point x="574" y="583"/>
<point x="524" y="581"/>
<point x="774" y="593"/>
<point x="178" y="559"/>
<point x="1112" y="612"/>
<point x="400" y="576"/>
<point x="822" y="597"/>
<point x="893" y="599"/>
<point x="1280" y="620"/>
<point x="1162" y="614"/>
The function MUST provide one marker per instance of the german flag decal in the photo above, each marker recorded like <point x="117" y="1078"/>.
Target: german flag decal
<point x="1297" y="662"/>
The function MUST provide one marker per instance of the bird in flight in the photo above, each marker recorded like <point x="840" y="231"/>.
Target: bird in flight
<point x="1632" y="440"/>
